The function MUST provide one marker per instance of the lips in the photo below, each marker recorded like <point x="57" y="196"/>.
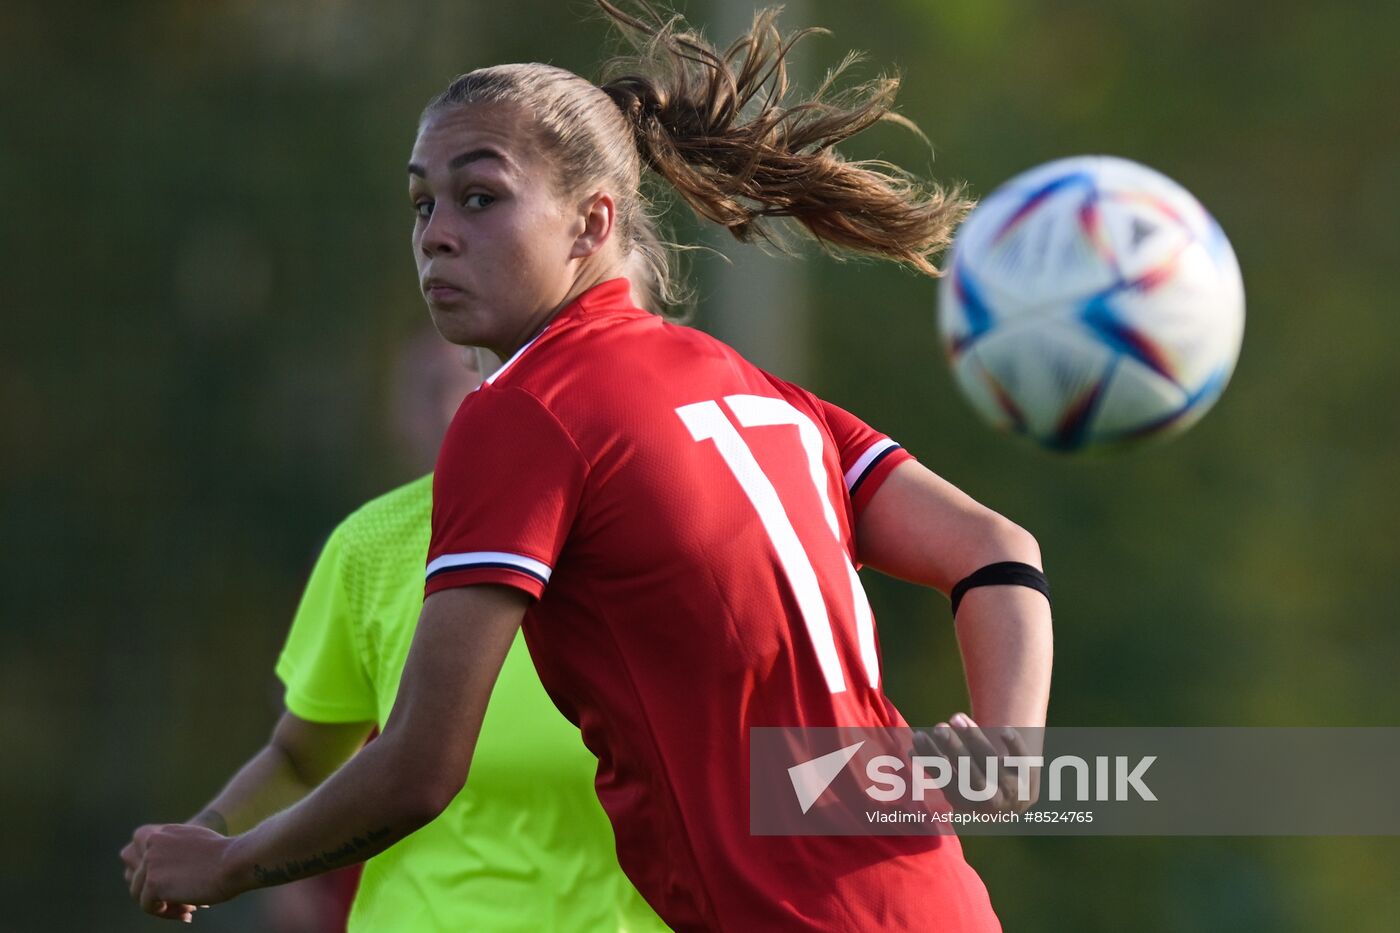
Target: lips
<point x="440" y="290"/>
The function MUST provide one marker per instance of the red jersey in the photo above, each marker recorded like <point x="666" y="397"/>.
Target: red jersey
<point x="685" y="521"/>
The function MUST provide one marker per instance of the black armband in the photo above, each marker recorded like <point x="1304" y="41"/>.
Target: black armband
<point x="1006" y="573"/>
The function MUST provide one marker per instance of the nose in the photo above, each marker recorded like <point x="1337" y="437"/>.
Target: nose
<point x="439" y="239"/>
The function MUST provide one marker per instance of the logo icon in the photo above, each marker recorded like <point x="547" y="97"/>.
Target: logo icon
<point x="811" y="778"/>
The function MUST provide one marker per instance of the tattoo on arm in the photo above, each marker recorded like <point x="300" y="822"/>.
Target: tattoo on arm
<point x="334" y="858"/>
<point x="211" y="819"/>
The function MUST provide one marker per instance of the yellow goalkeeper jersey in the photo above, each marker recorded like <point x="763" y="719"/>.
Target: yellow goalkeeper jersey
<point x="525" y="845"/>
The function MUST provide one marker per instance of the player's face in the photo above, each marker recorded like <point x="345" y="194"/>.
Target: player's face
<point x="491" y="236"/>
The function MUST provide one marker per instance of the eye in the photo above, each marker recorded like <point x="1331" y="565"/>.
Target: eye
<point x="423" y="208"/>
<point x="477" y="201"/>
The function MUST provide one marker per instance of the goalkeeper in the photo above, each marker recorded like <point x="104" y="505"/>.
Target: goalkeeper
<point x="524" y="846"/>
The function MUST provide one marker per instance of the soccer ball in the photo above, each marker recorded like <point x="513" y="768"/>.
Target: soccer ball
<point x="1091" y="302"/>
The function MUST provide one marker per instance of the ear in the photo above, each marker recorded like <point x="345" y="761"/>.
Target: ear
<point x="597" y="213"/>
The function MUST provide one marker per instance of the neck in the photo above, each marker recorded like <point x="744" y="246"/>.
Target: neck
<point x="586" y="279"/>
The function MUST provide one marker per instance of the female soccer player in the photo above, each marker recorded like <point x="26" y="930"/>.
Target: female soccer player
<point x="524" y="845"/>
<point x="677" y="530"/>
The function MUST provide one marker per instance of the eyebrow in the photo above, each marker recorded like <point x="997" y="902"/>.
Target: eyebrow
<point x="457" y="161"/>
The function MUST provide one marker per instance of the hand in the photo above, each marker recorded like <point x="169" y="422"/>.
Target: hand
<point x="964" y="744"/>
<point x="173" y="868"/>
<point x="132" y="855"/>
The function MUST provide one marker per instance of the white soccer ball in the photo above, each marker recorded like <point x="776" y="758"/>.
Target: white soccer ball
<point x="1091" y="302"/>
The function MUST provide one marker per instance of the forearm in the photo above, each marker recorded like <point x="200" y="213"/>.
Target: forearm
<point x="297" y="758"/>
<point x="266" y="784"/>
<point x="391" y="787"/>
<point x="1005" y="635"/>
<point x="375" y="800"/>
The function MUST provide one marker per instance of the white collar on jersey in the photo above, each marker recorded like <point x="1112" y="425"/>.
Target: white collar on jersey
<point x="550" y="323"/>
<point x="514" y="356"/>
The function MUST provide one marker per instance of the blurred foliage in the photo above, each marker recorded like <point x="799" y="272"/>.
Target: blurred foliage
<point x="206" y="275"/>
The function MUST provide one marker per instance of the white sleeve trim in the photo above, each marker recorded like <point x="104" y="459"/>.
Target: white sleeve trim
<point x="480" y="559"/>
<point x="872" y="453"/>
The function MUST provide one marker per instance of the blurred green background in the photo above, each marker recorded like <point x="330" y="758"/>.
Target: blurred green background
<point x="206" y="284"/>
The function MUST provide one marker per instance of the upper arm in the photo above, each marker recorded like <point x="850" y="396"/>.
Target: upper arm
<point x="922" y="528"/>
<point x="910" y="523"/>
<point x="316" y="749"/>
<point x="461" y="641"/>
